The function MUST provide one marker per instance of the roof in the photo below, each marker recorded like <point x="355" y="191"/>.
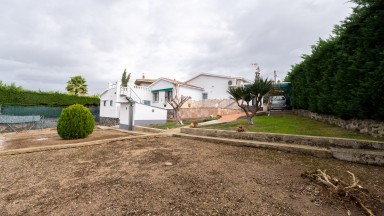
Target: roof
<point x="217" y="75"/>
<point x="139" y="81"/>
<point x="177" y="82"/>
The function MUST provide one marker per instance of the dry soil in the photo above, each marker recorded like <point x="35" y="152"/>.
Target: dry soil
<point x="174" y="176"/>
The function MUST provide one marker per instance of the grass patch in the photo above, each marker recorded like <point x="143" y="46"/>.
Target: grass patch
<point x="170" y="124"/>
<point x="293" y="124"/>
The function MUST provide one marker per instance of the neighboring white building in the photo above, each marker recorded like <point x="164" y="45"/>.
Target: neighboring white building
<point x="216" y="86"/>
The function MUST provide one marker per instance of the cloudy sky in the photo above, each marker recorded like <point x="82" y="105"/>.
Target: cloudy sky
<point x="45" y="42"/>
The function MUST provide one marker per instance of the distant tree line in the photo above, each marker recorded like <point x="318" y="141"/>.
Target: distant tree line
<point x="344" y="75"/>
<point x="16" y="95"/>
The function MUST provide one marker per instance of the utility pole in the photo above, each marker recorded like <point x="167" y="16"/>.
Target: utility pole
<point x="257" y="73"/>
<point x="274" y="75"/>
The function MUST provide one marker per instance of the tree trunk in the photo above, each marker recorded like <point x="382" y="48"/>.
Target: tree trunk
<point x="178" y="118"/>
<point x="249" y="120"/>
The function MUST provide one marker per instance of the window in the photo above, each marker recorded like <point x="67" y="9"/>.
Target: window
<point x="111" y="103"/>
<point x="147" y="102"/>
<point x="105" y="103"/>
<point x="155" y="96"/>
<point x="205" y="96"/>
<point x="168" y="95"/>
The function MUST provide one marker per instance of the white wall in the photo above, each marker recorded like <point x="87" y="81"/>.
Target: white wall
<point x="162" y="84"/>
<point x="149" y="114"/>
<point x="142" y="114"/>
<point x="124" y="113"/>
<point x="216" y="87"/>
<point x="195" y="94"/>
<point x="108" y="110"/>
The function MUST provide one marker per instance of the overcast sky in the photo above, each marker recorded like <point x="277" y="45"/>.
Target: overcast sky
<point x="45" y="42"/>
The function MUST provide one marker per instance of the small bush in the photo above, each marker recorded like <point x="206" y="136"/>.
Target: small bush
<point x="76" y="121"/>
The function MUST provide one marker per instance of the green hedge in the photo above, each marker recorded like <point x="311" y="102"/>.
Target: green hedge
<point x="9" y="96"/>
<point x="344" y="75"/>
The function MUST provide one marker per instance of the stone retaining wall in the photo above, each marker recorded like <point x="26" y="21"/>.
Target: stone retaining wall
<point x="325" y="142"/>
<point x="106" y="121"/>
<point x="196" y="113"/>
<point x="211" y="103"/>
<point x="370" y="127"/>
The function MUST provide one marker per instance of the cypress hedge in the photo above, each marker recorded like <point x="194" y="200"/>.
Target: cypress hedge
<point x="16" y="96"/>
<point x="344" y="75"/>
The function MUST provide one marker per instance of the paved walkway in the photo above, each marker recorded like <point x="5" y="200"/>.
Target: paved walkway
<point x="223" y="119"/>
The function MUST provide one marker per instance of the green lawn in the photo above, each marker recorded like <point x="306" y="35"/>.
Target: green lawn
<point x="293" y="124"/>
<point x="170" y="124"/>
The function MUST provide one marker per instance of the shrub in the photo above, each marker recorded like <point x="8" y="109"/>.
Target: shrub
<point x="76" y="121"/>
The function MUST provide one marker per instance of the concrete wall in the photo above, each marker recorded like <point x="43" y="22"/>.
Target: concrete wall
<point x="198" y="113"/>
<point x="216" y="87"/>
<point x="371" y="127"/>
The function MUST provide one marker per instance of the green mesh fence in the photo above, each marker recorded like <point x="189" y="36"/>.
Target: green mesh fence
<point x="47" y="112"/>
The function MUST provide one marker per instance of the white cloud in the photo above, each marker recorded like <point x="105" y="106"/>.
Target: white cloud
<point x="43" y="43"/>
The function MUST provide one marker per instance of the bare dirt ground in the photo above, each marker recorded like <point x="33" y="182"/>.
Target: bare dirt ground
<point x="173" y="176"/>
<point x="35" y="138"/>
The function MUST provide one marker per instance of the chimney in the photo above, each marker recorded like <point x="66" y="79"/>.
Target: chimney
<point x="143" y="76"/>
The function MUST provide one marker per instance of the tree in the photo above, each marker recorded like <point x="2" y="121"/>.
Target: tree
<point x="176" y="103"/>
<point x="125" y="78"/>
<point x="243" y="95"/>
<point x="76" y="85"/>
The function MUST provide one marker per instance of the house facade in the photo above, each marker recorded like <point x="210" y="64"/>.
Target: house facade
<point x="215" y="86"/>
<point x="146" y="103"/>
<point x="164" y="89"/>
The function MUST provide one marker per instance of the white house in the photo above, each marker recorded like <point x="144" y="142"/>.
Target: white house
<point x="216" y="86"/>
<point x="164" y="89"/>
<point x="127" y="106"/>
<point x="146" y="103"/>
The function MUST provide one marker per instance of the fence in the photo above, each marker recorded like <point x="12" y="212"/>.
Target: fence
<point x="19" y="118"/>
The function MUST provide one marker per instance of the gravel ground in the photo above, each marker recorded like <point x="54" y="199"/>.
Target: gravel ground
<point x="174" y="176"/>
<point x="45" y="137"/>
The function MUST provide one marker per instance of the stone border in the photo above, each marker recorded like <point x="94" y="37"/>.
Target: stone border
<point x="76" y="145"/>
<point x="324" y="142"/>
<point x="370" y="127"/>
<point x="306" y="150"/>
<point x="363" y="156"/>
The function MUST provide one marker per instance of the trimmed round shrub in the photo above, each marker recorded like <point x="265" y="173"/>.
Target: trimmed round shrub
<point x="76" y="121"/>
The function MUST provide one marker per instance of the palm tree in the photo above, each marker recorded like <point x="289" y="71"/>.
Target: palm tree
<point x="243" y="95"/>
<point x="76" y="85"/>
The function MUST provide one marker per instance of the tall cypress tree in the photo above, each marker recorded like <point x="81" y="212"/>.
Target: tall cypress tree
<point x="125" y="78"/>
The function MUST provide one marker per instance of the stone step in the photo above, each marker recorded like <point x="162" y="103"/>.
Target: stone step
<point x="321" y="142"/>
<point x="307" y="150"/>
<point x="372" y="157"/>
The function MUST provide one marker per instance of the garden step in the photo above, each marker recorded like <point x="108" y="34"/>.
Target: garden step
<point x="316" y="141"/>
<point x="307" y="150"/>
<point x="373" y="157"/>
